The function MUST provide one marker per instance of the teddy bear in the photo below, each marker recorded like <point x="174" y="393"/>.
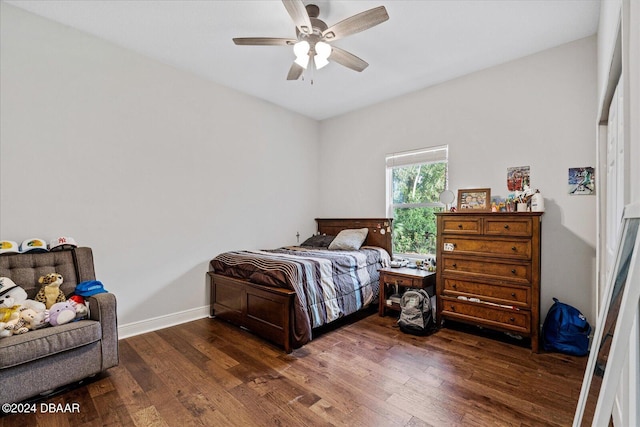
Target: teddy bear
<point x="30" y="320"/>
<point x="60" y="313"/>
<point x="12" y="294"/>
<point x="50" y="292"/>
<point x="13" y="299"/>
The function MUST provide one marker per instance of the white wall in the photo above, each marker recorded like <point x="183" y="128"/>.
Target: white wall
<point x="537" y="111"/>
<point x="156" y="169"/>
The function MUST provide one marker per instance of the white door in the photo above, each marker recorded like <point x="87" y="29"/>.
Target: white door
<point x="615" y="179"/>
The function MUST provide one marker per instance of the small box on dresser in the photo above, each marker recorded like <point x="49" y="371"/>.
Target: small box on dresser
<point x="488" y="271"/>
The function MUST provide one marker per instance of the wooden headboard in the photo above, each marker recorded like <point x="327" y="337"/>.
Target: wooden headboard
<point x="380" y="230"/>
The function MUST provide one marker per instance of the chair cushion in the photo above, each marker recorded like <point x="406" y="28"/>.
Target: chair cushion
<point x="40" y="343"/>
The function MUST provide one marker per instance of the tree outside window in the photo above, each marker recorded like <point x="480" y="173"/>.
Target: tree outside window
<point x="415" y="181"/>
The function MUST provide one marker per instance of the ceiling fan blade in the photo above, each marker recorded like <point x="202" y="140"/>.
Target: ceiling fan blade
<point x="299" y="14"/>
<point x="347" y="59"/>
<point x="263" y="41"/>
<point x="295" y="72"/>
<point x="356" y="23"/>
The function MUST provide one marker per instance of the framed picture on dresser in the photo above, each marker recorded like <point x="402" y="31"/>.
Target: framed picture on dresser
<point x="474" y="200"/>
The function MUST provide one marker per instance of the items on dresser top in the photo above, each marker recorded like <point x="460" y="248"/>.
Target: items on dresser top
<point x="489" y="271"/>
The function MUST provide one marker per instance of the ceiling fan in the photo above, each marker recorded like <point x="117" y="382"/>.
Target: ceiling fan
<point x="314" y="37"/>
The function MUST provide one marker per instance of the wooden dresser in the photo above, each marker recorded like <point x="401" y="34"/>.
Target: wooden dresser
<point x="488" y="271"/>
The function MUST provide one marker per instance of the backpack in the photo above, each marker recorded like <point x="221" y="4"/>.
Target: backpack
<point x="416" y="317"/>
<point x="565" y="330"/>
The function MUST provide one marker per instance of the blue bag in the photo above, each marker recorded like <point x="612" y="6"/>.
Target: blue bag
<point x="565" y="330"/>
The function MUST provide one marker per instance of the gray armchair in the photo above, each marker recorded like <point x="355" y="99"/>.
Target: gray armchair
<point x="45" y="359"/>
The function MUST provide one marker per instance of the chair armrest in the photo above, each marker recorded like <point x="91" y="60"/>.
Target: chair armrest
<point x="103" y="309"/>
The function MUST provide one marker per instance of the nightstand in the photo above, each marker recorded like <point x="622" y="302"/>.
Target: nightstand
<point x="403" y="278"/>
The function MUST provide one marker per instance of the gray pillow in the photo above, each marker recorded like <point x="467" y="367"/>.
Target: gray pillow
<point x="318" y="241"/>
<point x="349" y="240"/>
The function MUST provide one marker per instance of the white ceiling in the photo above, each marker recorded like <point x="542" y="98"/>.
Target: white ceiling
<point x="422" y="44"/>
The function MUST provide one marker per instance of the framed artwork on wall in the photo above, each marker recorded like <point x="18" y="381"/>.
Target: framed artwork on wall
<point x="518" y="178"/>
<point x="474" y="199"/>
<point x="582" y="181"/>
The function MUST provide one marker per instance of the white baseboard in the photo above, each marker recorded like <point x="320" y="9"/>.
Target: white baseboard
<point x="160" y="322"/>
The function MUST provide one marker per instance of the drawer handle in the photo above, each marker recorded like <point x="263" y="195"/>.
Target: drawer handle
<point x="460" y="226"/>
<point x="513" y="294"/>
<point x="454" y="286"/>
<point x="454" y="265"/>
<point x="514" y="248"/>
<point x="513" y="271"/>
<point x="506" y="226"/>
<point x="455" y="245"/>
<point x="453" y="307"/>
<point x="512" y="319"/>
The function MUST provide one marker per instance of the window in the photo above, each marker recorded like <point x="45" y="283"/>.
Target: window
<point x="415" y="180"/>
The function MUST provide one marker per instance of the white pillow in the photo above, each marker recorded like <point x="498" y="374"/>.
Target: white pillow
<point x="349" y="240"/>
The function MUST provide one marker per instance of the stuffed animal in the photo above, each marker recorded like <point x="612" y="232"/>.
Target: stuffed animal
<point x="13" y="300"/>
<point x="9" y="318"/>
<point x="30" y="320"/>
<point x="50" y="293"/>
<point x="82" y="308"/>
<point x="60" y="313"/>
<point x="12" y="294"/>
<point x="430" y="262"/>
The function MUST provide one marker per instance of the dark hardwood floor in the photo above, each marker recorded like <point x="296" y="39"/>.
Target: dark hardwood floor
<point x="365" y="373"/>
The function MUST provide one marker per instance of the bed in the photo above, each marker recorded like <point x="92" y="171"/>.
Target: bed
<point x="283" y="294"/>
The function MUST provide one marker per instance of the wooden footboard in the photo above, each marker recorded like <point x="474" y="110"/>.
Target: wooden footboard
<point x="264" y="310"/>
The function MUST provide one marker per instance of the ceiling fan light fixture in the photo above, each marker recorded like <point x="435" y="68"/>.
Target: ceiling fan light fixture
<point x="302" y="61"/>
<point x="323" y="50"/>
<point x="301" y="50"/>
<point x="320" y="61"/>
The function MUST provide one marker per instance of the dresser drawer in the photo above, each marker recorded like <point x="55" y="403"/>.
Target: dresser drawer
<point x="401" y="280"/>
<point x="484" y="314"/>
<point x="466" y="225"/>
<point x="511" y="226"/>
<point x="500" y="294"/>
<point x="496" y="269"/>
<point x="508" y="248"/>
